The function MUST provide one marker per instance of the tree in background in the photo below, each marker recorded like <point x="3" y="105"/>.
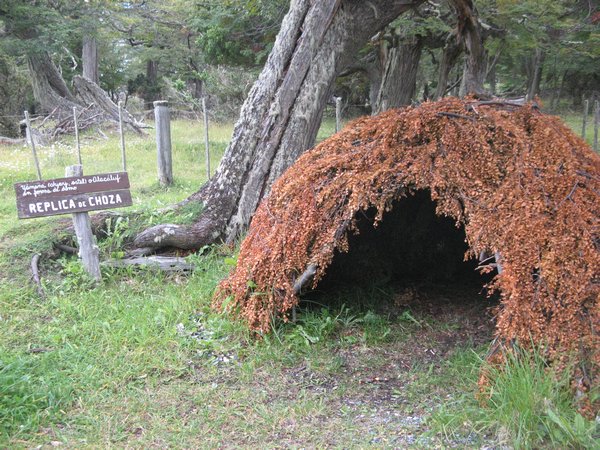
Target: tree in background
<point x="36" y="29"/>
<point x="422" y="29"/>
<point x="14" y="89"/>
<point x="549" y="46"/>
<point x="188" y="41"/>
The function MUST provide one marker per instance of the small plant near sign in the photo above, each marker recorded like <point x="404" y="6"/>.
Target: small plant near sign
<point x="74" y="276"/>
<point x="116" y="232"/>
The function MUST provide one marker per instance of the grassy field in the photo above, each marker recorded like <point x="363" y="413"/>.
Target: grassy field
<point x="574" y="121"/>
<point x="141" y="361"/>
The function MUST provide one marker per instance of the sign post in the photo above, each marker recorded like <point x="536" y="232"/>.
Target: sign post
<point x="75" y="194"/>
<point x="88" y="250"/>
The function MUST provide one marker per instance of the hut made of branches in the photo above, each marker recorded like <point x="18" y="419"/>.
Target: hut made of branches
<point x="522" y="185"/>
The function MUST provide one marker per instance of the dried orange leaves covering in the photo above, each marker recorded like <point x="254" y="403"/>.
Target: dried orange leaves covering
<point x="520" y="182"/>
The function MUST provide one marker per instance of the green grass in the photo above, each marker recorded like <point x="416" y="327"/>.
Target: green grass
<point x="574" y="121"/>
<point x="525" y="405"/>
<point x="31" y="392"/>
<point x="141" y="360"/>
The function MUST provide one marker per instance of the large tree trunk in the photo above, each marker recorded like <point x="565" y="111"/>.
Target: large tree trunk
<point x="471" y="33"/>
<point x="450" y="54"/>
<point x="49" y="88"/>
<point x="374" y="77"/>
<point x="399" y="81"/>
<point x="89" y="93"/>
<point x="281" y="116"/>
<point x="89" y="57"/>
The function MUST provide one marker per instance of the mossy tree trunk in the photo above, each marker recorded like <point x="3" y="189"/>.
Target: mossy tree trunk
<point x="49" y="88"/>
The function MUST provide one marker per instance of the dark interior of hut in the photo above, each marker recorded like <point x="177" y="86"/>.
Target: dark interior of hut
<point x="413" y="258"/>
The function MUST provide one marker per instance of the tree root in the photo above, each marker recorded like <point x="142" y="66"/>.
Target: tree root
<point x="186" y="237"/>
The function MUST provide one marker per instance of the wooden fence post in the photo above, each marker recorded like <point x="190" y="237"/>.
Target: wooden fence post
<point x="596" y="123"/>
<point x="121" y="133"/>
<point x="31" y="140"/>
<point x="586" y="108"/>
<point x="162" y="123"/>
<point x="338" y="114"/>
<point x="206" y="146"/>
<point x="88" y="250"/>
<point x="77" y="135"/>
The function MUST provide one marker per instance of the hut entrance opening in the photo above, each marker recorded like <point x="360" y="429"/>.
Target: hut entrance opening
<point x="413" y="259"/>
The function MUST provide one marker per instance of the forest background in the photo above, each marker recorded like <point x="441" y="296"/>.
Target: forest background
<point x="182" y="50"/>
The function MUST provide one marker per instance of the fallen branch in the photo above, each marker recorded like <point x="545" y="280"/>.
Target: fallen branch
<point x="48" y="117"/>
<point x="510" y="103"/>
<point x="38" y="350"/>
<point x="36" y="275"/>
<point x="303" y="279"/>
<point x="164" y="263"/>
<point x="66" y="249"/>
<point x="500" y="103"/>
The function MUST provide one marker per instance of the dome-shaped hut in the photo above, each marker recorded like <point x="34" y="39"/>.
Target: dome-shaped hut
<point x="522" y="185"/>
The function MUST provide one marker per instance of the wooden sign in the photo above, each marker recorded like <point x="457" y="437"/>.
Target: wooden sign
<point x="73" y="194"/>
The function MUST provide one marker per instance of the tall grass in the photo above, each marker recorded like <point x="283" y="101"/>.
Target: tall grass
<point x="525" y="405"/>
<point x="83" y="342"/>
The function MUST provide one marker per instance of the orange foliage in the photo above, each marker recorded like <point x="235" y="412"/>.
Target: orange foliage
<point x="520" y="182"/>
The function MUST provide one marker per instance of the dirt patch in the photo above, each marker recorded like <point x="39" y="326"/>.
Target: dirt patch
<point x="389" y="390"/>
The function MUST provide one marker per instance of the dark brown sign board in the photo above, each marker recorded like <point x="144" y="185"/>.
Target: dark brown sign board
<point x="70" y="195"/>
